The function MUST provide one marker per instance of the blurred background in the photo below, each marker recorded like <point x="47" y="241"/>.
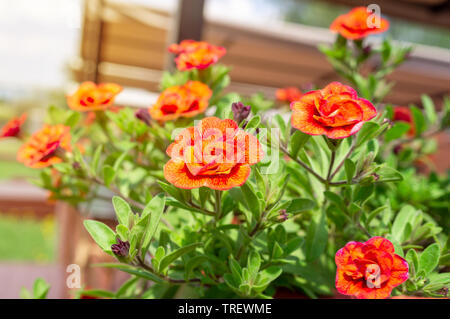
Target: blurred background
<point x="48" y="46"/>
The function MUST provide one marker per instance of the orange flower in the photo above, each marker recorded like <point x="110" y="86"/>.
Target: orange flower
<point x="216" y="153"/>
<point x="288" y="94"/>
<point x="335" y="111"/>
<point x="196" y="55"/>
<point x="93" y="97"/>
<point x="403" y="113"/>
<point x="12" y="128"/>
<point x="44" y="147"/>
<point x="369" y="270"/>
<point x="357" y="24"/>
<point x="187" y="100"/>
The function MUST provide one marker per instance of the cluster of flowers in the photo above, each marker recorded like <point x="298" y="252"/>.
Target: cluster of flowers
<point x="219" y="154"/>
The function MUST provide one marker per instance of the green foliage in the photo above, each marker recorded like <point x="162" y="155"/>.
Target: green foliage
<point x="309" y="196"/>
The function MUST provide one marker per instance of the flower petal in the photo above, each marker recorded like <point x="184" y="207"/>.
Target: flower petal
<point x="237" y="177"/>
<point x="369" y="111"/>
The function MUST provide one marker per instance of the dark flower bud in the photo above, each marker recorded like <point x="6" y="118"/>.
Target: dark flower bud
<point x="76" y="165"/>
<point x="283" y="216"/>
<point x="367" y="49"/>
<point x="144" y="116"/>
<point x="121" y="249"/>
<point x="240" y="111"/>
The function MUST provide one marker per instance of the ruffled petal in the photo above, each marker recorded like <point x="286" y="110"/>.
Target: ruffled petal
<point x="303" y="114"/>
<point x="237" y="177"/>
<point x="381" y="243"/>
<point x="343" y="131"/>
<point x="369" y="111"/>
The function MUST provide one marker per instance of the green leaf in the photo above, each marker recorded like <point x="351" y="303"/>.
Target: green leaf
<point x="404" y="217"/>
<point x="155" y="209"/>
<point x="251" y="199"/>
<point x="40" y="288"/>
<point x="127" y="288"/>
<point x="298" y="141"/>
<point x="253" y="264"/>
<point x="102" y="234"/>
<point x="193" y="263"/>
<point x="73" y="119"/>
<point x="236" y="270"/>
<point x="429" y="258"/>
<point x="367" y="132"/>
<point x="123" y="211"/>
<point x="430" y="110"/>
<point x="99" y="293"/>
<point x="413" y="260"/>
<point x="172" y="191"/>
<point x="253" y="123"/>
<point x="299" y="205"/>
<point x="316" y="237"/>
<point x="170" y="258"/>
<point x="269" y="274"/>
<point x="396" y="131"/>
<point x="419" y="120"/>
<point x="388" y="174"/>
<point x="204" y="194"/>
<point x="122" y="231"/>
<point x="437" y="282"/>
<point x="363" y="192"/>
<point x="350" y="169"/>
<point x="96" y="158"/>
<point x="108" y="175"/>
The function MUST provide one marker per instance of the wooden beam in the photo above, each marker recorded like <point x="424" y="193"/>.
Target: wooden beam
<point x="188" y="24"/>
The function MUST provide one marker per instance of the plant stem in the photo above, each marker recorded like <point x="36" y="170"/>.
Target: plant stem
<point x="333" y="157"/>
<point x="350" y="151"/>
<point x="127" y="199"/>
<point x="310" y="170"/>
<point x="142" y="264"/>
<point x="218" y="204"/>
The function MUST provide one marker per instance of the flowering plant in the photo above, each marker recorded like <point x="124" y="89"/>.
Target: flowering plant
<point x="239" y="204"/>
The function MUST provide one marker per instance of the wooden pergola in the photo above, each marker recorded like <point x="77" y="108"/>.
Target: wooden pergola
<point x="127" y="44"/>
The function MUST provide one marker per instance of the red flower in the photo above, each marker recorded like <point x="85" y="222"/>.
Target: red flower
<point x="335" y="111"/>
<point x="44" y="147"/>
<point x="403" y="113"/>
<point x="196" y="55"/>
<point x="354" y="24"/>
<point x="369" y="270"/>
<point x="93" y="97"/>
<point x="215" y="153"/>
<point x="288" y="94"/>
<point x="12" y="128"/>
<point x="177" y="101"/>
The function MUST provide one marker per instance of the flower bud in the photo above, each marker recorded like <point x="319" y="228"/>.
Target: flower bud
<point x="283" y="216"/>
<point x="143" y="115"/>
<point x="76" y="166"/>
<point x="121" y="249"/>
<point x="240" y="111"/>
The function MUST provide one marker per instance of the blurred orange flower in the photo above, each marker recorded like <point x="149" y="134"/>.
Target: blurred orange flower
<point x="93" y="97"/>
<point x="196" y="54"/>
<point x="356" y="24"/>
<point x="403" y="113"/>
<point x="335" y="111"/>
<point x="186" y="100"/>
<point x="369" y="270"/>
<point x="216" y="153"/>
<point x="12" y="128"/>
<point x="288" y="94"/>
<point x="44" y="147"/>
